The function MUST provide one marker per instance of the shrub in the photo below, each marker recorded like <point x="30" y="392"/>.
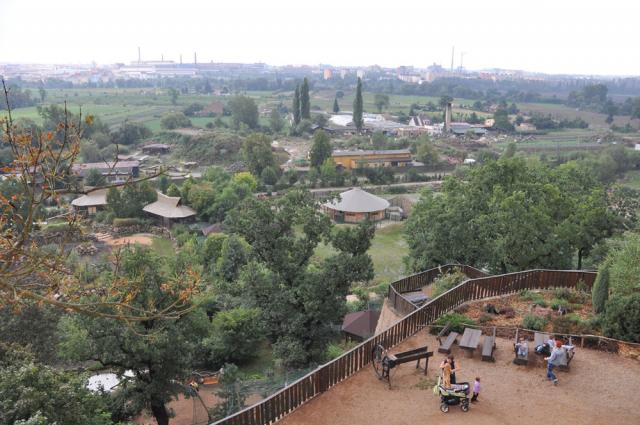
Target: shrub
<point x="104" y="217"/>
<point x="561" y="303"/>
<point x="333" y="351"/>
<point x="535" y="323"/>
<point x="124" y="222"/>
<point x="581" y="286"/>
<point x="600" y="291"/>
<point x="569" y="295"/>
<point x="447" y="281"/>
<point x="622" y="318"/>
<point x="458" y="322"/>
<point x="57" y="227"/>
<point x="534" y="297"/>
<point x="485" y="318"/>
<point x="562" y="293"/>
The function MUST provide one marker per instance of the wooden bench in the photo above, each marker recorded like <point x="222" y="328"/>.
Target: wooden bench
<point x="445" y="347"/>
<point x="520" y="360"/>
<point x="488" y="346"/>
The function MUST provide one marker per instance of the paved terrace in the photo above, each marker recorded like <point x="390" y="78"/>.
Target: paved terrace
<point x="601" y="388"/>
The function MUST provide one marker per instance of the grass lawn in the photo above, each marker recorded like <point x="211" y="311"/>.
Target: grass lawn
<point x="632" y="179"/>
<point x="387" y="251"/>
<point x="162" y="246"/>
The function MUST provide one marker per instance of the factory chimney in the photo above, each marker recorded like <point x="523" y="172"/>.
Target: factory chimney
<point x="447" y="118"/>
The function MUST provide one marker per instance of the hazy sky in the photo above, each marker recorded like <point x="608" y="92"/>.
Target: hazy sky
<point x="555" y="36"/>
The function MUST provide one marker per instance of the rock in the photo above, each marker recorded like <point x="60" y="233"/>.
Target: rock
<point x="490" y="308"/>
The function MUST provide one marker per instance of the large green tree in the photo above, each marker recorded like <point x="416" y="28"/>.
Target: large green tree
<point x="161" y="352"/>
<point x="275" y="121"/>
<point x="305" y="299"/>
<point x="509" y="215"/>
<point x="381" y="101"/>
<point x="358" y="107"/>
<point x="305" y="100"/>
<point x="130" y="201"/>
<point x="296" y="106"/>
<point x="244" y="111"/>
<point x="257" y="153"/>
<point x="320" y="149"/>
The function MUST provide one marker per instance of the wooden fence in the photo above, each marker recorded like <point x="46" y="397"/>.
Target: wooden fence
<point x="326" y="376"/>
<point x="418" y="281"/>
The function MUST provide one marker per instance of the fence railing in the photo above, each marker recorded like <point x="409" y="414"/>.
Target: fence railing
<point x="326" y="376"/>
<point x="418" y="281"/>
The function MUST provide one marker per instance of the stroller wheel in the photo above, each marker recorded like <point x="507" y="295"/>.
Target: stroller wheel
<point x="465" y="406"/>
<point x="444" y="407"/>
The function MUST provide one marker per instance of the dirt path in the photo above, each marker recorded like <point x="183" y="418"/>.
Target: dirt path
<point x="387" y="317"/>
<point x="141" y="238"/>
<point x="600" y="388"/>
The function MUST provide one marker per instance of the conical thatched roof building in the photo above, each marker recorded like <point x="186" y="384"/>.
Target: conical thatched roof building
<point x="169" y="210"/>
<point x="356" y="205"/>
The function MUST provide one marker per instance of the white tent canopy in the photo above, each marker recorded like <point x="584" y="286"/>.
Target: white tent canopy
<point x="357" y="200"/>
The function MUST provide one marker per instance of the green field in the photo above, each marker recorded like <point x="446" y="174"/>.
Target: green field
<point x="387" y="251"/>
<point x="632" y="179"/>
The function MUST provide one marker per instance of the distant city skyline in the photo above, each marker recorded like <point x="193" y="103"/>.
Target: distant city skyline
<point x="551" y="37"/>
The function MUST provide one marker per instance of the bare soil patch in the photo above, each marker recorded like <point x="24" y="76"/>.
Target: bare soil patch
<point x="142" y="239"/>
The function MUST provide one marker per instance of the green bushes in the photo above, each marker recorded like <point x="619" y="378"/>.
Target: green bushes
<point x="574" y="297"/>
<point x="600" y="292"/>
<point x="622" y="318"/>
<point x="574" y="324"/>
<point x="58" y="227"/>
<point x="535" y="323"/>
<point x="457" y="321"/>
<point x="534" y="297"/>
<point x="124" y="222"/>
<point x="447" y="281"/>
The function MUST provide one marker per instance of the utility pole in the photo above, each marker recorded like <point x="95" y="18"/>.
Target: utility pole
<point x="195" y="58"/>
<point x="139" y="55"/>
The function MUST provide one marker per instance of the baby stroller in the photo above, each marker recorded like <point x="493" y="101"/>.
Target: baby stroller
<point x="457" y="394"/>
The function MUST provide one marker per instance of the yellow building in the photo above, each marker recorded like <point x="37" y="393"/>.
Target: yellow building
<point x="372" y="159"/>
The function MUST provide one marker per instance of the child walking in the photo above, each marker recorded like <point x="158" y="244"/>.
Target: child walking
<point x="476" y="390"/>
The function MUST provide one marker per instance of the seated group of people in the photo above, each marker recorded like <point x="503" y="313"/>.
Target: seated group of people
<point x="546" y="348"/>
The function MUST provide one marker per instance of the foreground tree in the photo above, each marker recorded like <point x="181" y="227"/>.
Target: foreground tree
<point x="161" y="353"/>
<point x="304" y="299"/>
<point x="358" y="107"/>
<point x="31" y="392"/>
<point x="39" y="174"/>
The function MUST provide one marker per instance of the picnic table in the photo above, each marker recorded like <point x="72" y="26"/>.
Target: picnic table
<point x="418" y="298"/>
<point x="470" y="339"/>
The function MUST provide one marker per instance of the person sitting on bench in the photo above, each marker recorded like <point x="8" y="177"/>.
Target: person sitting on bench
<point x="522" y="348"/>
